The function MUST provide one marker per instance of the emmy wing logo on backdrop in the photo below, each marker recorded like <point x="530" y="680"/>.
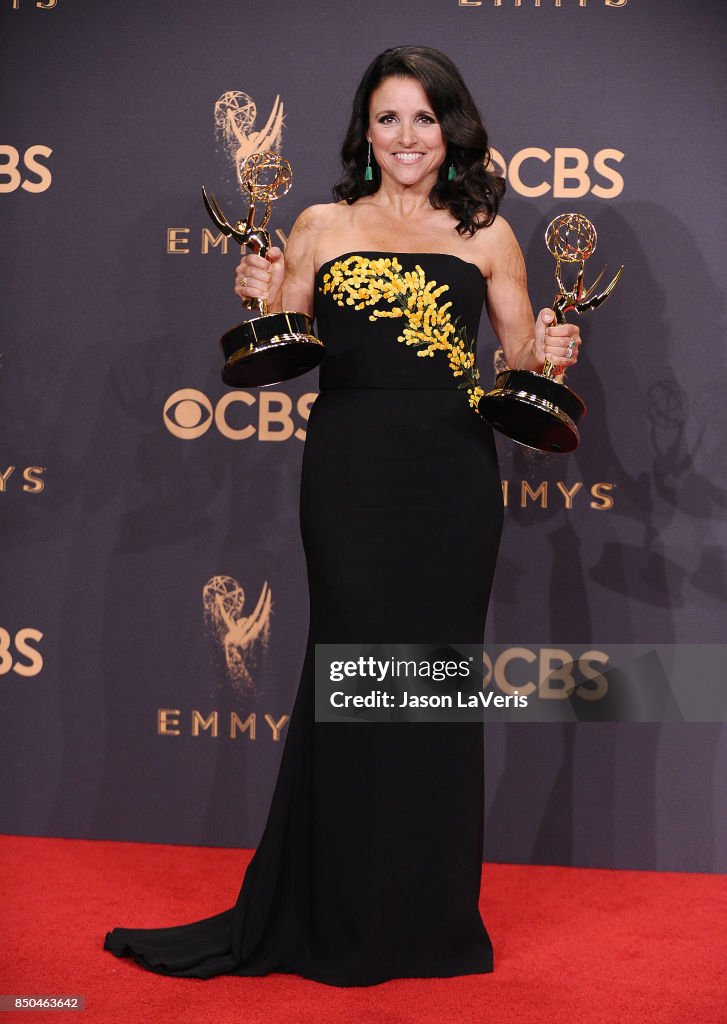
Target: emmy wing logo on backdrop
<point x="243" y="638"/>
<point x="235" y="116"/>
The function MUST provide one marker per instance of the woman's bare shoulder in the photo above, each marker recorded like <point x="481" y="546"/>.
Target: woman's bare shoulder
<point x="319" y="217"/>
<point x="498" y="232"/>
<point x="497" y="247"/>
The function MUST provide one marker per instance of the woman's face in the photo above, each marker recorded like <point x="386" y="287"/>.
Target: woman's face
<point x="405" y="136"/>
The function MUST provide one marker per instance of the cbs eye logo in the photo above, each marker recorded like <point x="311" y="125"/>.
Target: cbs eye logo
<point x="37" y="179"/>
<point x="237" y="415"/>
<point x="17" y="653"/>
<point x="188" y="414"/>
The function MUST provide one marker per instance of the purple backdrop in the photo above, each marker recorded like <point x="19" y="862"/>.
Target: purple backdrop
<point x="148" y="508"/>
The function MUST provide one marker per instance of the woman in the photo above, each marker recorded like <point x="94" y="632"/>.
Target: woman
<point x="369" y="865"/>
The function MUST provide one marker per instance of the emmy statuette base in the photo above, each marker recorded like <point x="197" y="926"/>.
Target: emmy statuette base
<point x="534" y="410"/>
<point x="270" y="349"/>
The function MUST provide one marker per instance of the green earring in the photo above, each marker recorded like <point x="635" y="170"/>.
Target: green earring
<point x="451" y="173"/>
<point x="368" y="173"/>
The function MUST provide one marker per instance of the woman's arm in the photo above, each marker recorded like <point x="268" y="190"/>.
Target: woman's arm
<point x="526" y="343"/>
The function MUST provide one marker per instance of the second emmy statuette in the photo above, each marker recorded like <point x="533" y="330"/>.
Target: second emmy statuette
<point x="270" y="347"/>
<point x="533" y="408"/>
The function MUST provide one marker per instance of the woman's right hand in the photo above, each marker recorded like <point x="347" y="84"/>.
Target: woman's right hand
<point x="258" y="277"/>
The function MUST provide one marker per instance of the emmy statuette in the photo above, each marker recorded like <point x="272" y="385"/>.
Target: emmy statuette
<point x="532" y="408"/>
<point x="270" y="347"/>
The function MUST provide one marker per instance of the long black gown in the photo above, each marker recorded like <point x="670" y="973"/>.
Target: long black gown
<point x="369" y="865"/>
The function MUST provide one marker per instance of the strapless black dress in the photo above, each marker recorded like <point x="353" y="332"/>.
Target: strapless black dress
<point x="369" y="865"/>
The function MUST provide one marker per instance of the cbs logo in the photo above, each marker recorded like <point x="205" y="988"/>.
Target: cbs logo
<point x="238" y="415"/>
<point x="10" y="175"/>
<point x="17" y="653"/>
<point x="553" y="672"/>
<point x="566" y="172"/>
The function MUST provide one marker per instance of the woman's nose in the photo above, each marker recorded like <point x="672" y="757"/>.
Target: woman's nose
<point x="407" y="135"/>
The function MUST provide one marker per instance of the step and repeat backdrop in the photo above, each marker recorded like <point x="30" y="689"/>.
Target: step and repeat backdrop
<point x="154" y="609"/>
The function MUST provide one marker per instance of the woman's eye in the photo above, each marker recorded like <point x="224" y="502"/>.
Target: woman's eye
<point x="422" y="118"/>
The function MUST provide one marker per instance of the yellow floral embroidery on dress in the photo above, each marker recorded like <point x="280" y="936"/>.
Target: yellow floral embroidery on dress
<point x="359" y="282"/>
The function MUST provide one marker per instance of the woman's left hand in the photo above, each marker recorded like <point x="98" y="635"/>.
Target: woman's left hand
<point x="557" y="342"/>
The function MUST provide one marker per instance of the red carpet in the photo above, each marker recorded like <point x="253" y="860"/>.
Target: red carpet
<point x="572" y="945"/>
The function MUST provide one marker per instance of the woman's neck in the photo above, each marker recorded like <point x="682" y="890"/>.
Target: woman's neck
<point x="404" y="202"/>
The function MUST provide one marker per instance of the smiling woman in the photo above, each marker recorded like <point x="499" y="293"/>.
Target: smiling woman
<point x="431" y="121"/>
<point x="370" y="863"/>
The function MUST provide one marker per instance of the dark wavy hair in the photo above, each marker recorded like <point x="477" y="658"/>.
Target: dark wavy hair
<point x="474" y="196"/>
